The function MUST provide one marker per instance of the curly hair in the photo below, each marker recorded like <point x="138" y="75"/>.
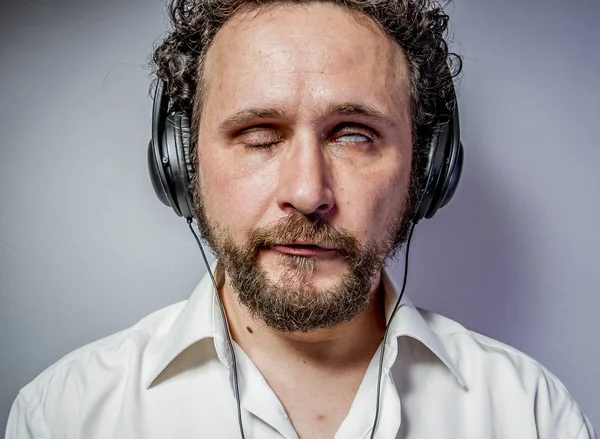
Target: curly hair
<point x="418" y="26"/>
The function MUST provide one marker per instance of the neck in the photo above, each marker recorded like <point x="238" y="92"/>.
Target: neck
<point x="349" y="344"/>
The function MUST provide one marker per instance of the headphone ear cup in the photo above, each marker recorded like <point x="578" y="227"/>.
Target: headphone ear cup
<point x="443" y="169"/>
<point x="188" y="168"/>
<point x="157" y="175"/>
<point x="452" y="176"/>
<point x="179" y="170"/>
<point x="432" y="175"/>
<point x="169" y="161"/>
<point x="162" y="156"/>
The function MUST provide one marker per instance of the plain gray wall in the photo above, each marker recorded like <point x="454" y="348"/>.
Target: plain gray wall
<point x="86" y="249"/>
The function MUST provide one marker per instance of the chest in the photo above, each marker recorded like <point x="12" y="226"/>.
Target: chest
<point x="192" y="411"/>
<point x="317" y="409"/>
<point x="415" y="403"/>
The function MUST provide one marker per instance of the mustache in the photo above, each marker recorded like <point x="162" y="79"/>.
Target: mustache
<point x="312" y="229"/>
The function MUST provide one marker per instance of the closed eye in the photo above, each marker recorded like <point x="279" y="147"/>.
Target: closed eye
<point x="260" y="137"/>
<point x="262" y="145"/>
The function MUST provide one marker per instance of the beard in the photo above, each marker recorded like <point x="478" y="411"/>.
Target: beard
<point x="291" y="302"/>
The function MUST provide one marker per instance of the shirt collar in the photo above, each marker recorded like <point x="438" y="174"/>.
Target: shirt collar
<point x="409" y="322"/>
<point x="200" y="318"/>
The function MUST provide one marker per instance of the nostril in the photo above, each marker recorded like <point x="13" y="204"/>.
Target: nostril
<point x="323" y="207"/>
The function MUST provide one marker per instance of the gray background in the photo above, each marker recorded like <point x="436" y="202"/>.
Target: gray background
<point x="86" y="249"/>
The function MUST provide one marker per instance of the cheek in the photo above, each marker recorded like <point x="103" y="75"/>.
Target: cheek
<point x="235" y="197"/>
<point x="397" y="195"/>
<point x="373" y="202"/>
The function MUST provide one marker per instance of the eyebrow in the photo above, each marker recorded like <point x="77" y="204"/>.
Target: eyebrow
<point x="355" y="109"/>
<point x="245" y="116"/>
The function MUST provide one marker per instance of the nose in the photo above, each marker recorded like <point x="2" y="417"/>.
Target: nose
<point x="304" y="179"/>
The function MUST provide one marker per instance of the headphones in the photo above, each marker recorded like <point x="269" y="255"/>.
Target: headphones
<point x="170" y="164"/>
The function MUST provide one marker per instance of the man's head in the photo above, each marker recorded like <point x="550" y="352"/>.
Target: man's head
<point x="309" y="121"/>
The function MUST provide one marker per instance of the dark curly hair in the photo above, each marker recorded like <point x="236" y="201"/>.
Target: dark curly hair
<point x="418" y="26"/>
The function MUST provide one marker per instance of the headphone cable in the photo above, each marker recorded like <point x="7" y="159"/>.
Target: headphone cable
<point x="396" y="308"/>
<point x="236" y="388"/>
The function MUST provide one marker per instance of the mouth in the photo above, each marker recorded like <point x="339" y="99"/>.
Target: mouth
<point x="302" y="249"/>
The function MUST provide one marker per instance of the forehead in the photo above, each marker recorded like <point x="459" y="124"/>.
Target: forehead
<point x="303" y="56"/>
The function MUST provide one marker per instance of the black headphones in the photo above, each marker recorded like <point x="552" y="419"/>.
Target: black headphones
<point x="170" y="164"/>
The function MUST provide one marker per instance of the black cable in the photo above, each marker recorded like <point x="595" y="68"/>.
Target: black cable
<point x="230" y="344"/>
<point x="387" y="328"/>
<point x="236" y="388"/>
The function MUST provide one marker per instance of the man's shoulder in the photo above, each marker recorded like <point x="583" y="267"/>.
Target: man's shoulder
<point x="132" y="346"/>
<point x="469" y="349"/>
<point x="498" y="374"/>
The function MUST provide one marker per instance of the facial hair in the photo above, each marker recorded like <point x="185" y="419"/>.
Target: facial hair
<point x="291" y="302"/>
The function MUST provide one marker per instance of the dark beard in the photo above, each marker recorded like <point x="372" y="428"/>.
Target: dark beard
<point x="292" y="303"/>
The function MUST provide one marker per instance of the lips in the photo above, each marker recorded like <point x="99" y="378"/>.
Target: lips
<point x="303" y="249"/>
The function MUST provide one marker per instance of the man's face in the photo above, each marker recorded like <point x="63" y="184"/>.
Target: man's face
<point x="304" y="152"/>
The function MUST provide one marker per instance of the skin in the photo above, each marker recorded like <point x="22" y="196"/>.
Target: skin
<point x="297" y="67"/>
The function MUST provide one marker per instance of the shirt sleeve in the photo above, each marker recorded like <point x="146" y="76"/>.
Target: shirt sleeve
<point x="557" y="414"/>
<point x="587" y="430"/>
<point x="26" y="421"/>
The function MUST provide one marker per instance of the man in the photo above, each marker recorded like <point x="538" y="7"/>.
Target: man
<point x="310" y="127"/>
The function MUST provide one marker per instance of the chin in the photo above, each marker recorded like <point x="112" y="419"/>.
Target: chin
<point x="310" y="274"/>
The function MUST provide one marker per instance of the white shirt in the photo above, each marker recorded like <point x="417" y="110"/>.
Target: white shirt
<point x="169" y="376"/>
